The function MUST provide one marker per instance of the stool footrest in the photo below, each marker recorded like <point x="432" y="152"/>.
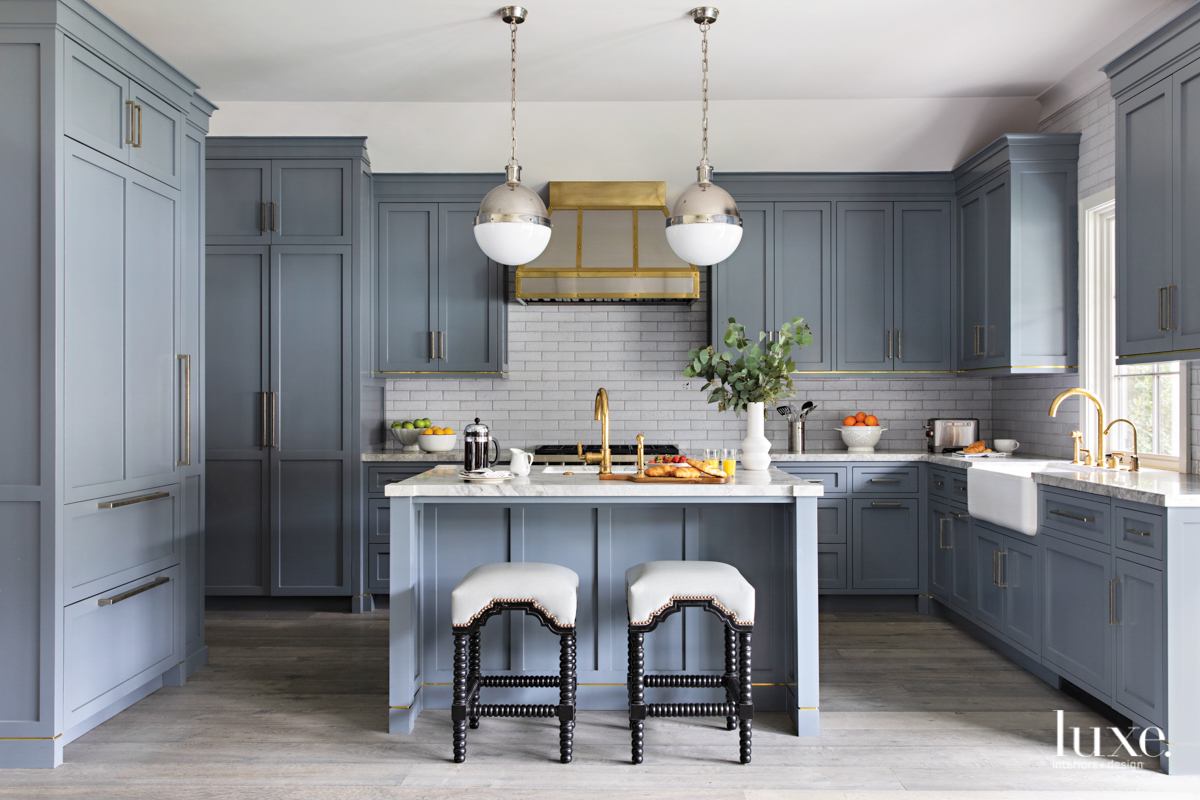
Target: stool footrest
<point x="686" y="681"/>
<point x="483" y="710"/>
<point x="520" y="681"/>
<point x="691" y="709"/>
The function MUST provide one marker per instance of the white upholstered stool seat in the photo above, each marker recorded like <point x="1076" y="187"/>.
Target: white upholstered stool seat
<point x="552" y="589"/>
<point x="652" y="587"/>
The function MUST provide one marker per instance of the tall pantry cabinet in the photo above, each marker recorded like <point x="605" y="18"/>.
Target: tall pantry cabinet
<point x="286" y="358"/>
<point x="101" y="460"/>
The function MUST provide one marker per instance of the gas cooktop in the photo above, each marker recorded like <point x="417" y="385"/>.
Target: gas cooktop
<point x="621" y="453"/>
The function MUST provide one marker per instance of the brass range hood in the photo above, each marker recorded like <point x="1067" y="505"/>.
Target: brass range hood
<point x="609" y="246"/>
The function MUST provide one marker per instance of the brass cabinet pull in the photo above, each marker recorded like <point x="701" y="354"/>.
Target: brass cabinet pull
<point x="132" y="501"/>
<point x="1161" y="289"/>
<point x="139" y="125"/>
<point x="884" y="480"/>
<point x="959" y="514"/>
<point x="942" y="534"/>
<point x="899" y="346"/>
<point x="130" y="104"/>
<point x="995" y="568"/>
<point x="960" y="488"/>
<point x="813" y="480"/>
<point x="939" y="483"/>
<point x="262" y="217"/>
<point x="975" y="350"/>
<point x="889" y="344"/>
<point x="1170" y="323"/>
<point x="275" y="217"/>
<point x="112" y="601"/>
<point x="1137" y="532"/>
<point x="442" y="343"/>
<point x="433" y="344"/>
<point x="274" y="419"/>
<point x="187" y="411"/>
<point x="875" y="504"/>
<point x="1112" y="597"/>
<point x="1058" y="513"/>
<point x="1000" y="558"/>
<point x="264" y="441"/>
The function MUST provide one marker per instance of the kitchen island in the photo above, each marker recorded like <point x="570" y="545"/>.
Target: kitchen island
<point x="765" y="524"/>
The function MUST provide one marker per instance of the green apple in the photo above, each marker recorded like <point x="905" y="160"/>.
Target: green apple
<point x="399" y="424"/>
<point x="407" y="425"/>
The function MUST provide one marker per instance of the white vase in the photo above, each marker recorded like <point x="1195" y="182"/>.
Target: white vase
<point x="756" y="447"/>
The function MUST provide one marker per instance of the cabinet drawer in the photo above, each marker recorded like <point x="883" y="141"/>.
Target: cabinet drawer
<point x="111" y="649"/>
<point x="379" y="521"/>
<point x="117" y="539"/>
<point x="831" y="521"/>
<point x="939" y="483"/>
<point x="1070" y="513"/>
<point x="958" y="487"/>
<point x="833" y="479"/>
<point x="887" y="480"/>
<point x="379" y="565"/>
<point x="380" y="477"/>
<point x="831" y="566"/>
<point x="1139" y="531"/>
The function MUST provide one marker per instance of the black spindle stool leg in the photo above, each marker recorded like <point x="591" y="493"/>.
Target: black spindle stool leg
<point x="746" y="701"/>
<point x="458" y="711"/>
<point x="473" y="675"/>
<point x="566" y="697"/>
<point x="731" y="660"/>
<point x="637" y="693"/>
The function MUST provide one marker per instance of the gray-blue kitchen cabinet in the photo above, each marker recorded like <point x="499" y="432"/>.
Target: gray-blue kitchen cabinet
<point x="1077" y="612"/>
<point x="832" y="524"/>
<point x="1021" y="577"/>
<point x="238" y="201"/>
<point x="886" y="544"/>
<point x="1140" y="639"/>
<point x="441" y="301"/>
<point x="1017" y="286"/>
<point x="921" y="287"/>
<point x="988" y="603"/>
<point x="865" y="331"/>
<point x="941" y="549"/>
<point x="962" y="563"/>
<point x="803" y="278"/>
<point x="744" y="283"/>
<point x="99" y="290"/>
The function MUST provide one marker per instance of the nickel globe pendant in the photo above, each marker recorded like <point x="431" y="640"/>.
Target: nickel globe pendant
<point x="512" y="226"/>
<point x="704" y="227"/>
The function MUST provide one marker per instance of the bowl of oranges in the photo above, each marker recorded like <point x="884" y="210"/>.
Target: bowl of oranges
<point x="861" y="432"/>
<point x="435" y="439"/>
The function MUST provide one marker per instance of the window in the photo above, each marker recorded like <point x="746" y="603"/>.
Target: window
<point x="1151" y="396"/>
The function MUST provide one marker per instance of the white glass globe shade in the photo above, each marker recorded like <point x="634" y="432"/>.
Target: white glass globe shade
<point x="512" y="243"/>
<point x="704" y="243"/>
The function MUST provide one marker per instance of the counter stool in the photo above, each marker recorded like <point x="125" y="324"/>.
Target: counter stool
<point x="548" y="593"/>
<point x="657" y="589"/>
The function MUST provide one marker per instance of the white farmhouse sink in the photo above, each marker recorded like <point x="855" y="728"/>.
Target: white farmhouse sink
<point x="1004" y="493"/>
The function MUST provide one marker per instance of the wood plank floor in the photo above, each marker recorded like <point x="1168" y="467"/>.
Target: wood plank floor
<point x="293" y="706"/>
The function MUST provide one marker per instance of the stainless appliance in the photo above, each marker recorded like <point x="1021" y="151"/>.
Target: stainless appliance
<point x="950" y="435"/>
<point x="621" y="453"/>
<point x="477" y="441"/>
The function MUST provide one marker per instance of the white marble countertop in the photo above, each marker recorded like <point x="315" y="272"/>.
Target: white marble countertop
<point x="443" y="481"/>
<point x="1151" y="486"/>
<point x="449" y="457"/>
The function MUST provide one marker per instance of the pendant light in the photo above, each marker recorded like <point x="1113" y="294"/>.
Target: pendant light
<point x="513" y="226"/>
<point x="704" y="226"/>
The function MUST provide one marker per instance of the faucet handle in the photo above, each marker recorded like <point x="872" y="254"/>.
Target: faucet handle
<point x="579" y="449"/>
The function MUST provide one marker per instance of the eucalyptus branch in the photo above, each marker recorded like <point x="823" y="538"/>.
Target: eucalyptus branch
<point x="754" y="372"/>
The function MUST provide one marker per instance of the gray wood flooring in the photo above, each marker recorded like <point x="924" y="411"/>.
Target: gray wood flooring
<point x="293" y="706"/>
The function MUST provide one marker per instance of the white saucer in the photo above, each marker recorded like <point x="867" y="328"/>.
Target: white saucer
<point x="485" y="479"/>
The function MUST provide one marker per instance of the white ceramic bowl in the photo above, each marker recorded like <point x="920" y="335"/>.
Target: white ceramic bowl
<point x="437" y="442"/>
<point x="407" y="437"/>
<point x="861" y="438"/>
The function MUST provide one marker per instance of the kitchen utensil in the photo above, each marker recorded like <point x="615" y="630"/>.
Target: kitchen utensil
<point x="861" y="438"/>
<point x="808" y="407"/>
<point x="797" y="432"/>
<point x="520" y="462"/>
<point x="437" y="443"/>
<point x="477" y="439"/>
<point x="1006" y="445"/>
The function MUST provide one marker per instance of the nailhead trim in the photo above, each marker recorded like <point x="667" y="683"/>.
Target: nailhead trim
<point x="529" y="600"/>
<point x="707" y="597"/>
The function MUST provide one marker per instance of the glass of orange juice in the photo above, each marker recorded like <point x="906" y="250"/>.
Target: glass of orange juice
<point x="729" y="461"/>
<point x="712" y="458"/>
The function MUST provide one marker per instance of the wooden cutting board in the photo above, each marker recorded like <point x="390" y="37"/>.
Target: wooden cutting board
<point x="646" y="479"/>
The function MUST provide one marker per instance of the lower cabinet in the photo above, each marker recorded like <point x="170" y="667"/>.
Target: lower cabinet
<point x="941" y="544"/>
<point x="831" y="544"/>
<point x="1140" y="640"/>
<point x="1006" y="586"/>
<point x="886" y="544"/>
<point x="962" y="584"/>
<point x="377" y="518"/>
<point x="1077" y="613"/>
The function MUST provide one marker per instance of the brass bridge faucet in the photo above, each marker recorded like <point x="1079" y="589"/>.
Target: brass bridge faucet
<point x="1100" y="431"/>
<point x="604" y="457"/>
<point x="1114" y="459"/>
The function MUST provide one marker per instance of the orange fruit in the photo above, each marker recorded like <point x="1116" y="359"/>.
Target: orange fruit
<point x="871" y="419"/>
<point x="849" y="421"/>
<point x="447" y="431"/>
<point x="860" y="416"/>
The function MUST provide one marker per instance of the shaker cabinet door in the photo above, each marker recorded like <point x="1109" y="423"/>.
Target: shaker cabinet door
<point x="962" y="572"/>
<point x="997" y="212"/>
<point x="311" y="201"/>
<point x="1077" y="613"/>
<point x="96" y="111"/>
<point x="237" y="202"/>
<point x="158" y="128"/>
<point x="804" y="278"/>
<point x="886" y="544"/>
<point x="972" y="277"/>
<point x="1140" y="640"/>
<point x="941" y="548"/>
<point x="1184" y="301"/>
<point x="988" y="604"/>
<point x="1144" y="187"/>
<point x="470" y="291"/>
<point x="922" y="287"/>
<point x="745" y="282"/>
<point x="408" y="287"/>
<point x="865" y="330"/>
<point x="1022" y="593"/>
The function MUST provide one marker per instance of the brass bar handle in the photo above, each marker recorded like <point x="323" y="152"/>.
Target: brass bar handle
<point x="899" y="345"/>
<point x="995" y="568"/>
<point x="275" y="217"/>
<point x="112" y="601"/>
<point x="976" y="351"/>
<point x="1112" y="598"/>
<point x="274" y="419"/>
<point x="942" y="534"/>
<point x="442" y="343"/>
<point x="262" y="217"/>
<point x="263" y="441"/>
<point x="884" y="480"/>
<point x="130" y="139"/>
<point x="187" y="411"/>
<point x="889" y="344"/>
<point x="433" y="345"/>
<point x="1058" y="513"/>
<point x="132" y="501"/>
<point x="139" y="116"/>
<point x="875" y="504"/>
<point x="1170" y="323"/>
<point x="1136" y="532"/>
<point x="1161" y="289"/>
<point x="1002" y="569"/>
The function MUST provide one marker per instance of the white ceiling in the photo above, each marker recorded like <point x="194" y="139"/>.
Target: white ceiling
<point x="624" y="50"/>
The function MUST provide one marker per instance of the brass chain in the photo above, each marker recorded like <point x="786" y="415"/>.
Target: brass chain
<point x="704" y="26"/>
<point x="512" y="159"/>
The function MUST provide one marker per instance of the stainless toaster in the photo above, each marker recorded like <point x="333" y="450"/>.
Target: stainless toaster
<point x="950" y="435"/>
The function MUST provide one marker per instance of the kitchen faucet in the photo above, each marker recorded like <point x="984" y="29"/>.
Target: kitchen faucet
<point x="604" y="457"/>
<point x="1100" y="431"/>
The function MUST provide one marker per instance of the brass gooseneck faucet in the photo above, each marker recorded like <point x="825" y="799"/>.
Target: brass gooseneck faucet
<point x="1114" y="461"/>
<point x="605" y="454"/>
<point x="1100" y="431"/>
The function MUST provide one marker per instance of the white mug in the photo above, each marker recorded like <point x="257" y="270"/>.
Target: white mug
<point x="1006" y="445"/>
<point x="520" y="462"/>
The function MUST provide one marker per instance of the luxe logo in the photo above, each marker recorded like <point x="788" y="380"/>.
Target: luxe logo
<point x="1123" y="746"/>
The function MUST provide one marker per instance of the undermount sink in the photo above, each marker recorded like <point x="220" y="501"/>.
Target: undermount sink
<point x="589" y="469"/>
<point x="1005" y="494"/>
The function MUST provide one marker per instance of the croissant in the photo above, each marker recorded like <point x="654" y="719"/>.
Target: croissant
<point x="977" y="447"/>
<point x="706" y="469"/>
<point x="687" y="472"/>
<point x="660" y="471"/>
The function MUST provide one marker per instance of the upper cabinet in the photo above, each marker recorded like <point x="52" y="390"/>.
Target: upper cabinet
<point x="1017" y="270"/>
<point x="1157" y="91"/>
<point x="441" y="304"/>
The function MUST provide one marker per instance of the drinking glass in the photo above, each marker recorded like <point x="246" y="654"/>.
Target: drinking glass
<point x="729" y="461"/>
<point x="711" y="457"/>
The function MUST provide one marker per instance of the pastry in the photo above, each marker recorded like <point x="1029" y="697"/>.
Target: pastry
<point x="977" y="447"/>
<point x="715" y="472"/>
<point x="660" y="471"/>
<point x="687" y="472"/>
